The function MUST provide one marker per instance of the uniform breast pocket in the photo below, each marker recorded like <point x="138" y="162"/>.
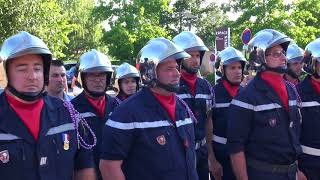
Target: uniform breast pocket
<point x="11" y="157"/>
<point x="267" y="125"/>
<point x="66" y="148"/>
<point x="157" y="146"/>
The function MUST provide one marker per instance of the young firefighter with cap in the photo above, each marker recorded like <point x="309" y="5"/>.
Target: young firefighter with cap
<point x="197" y="93"/>
<point x="39" y="138"/>
<point x="231" y="65"/>
<point x="127" y="79"/>
<point x="151" y="135"/>
<point x="309" y="90"/>
<point x="93" y="103"/>
<point x="295" y="63"/>
<point x="264" y="119"/>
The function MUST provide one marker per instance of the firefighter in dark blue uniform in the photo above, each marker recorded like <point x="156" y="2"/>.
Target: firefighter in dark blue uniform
<point x="151" y="134"/>
<point x="231" y="65"/>
<point x="294" y="63"/>
<point x="309" y="90"/>
<point x="197" y="93"/>
<point x="264" y="119"/>
<point x="38" y="136"/>
<point x="127" y="81"/>
<point x="93" y="103"/>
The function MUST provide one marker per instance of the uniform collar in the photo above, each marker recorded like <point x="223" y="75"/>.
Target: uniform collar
<point x="308" y="89"/>
<point x="262" y="86"/>
<point x="12" y="124"/>
<point x="151" y="101"/>
<point x="82" y="101"/>
<point x="222" y="91"/>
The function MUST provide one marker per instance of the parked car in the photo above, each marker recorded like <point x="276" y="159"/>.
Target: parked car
<point x="70" y="72"/>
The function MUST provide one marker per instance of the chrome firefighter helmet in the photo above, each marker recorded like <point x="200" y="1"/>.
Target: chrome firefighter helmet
<point x="228" y="56"/>
<point x="157" y="51"/>
<point x="126" y="70"/>
<point x="266" y="39"/>
<point x="312" y="57"/>
<point x="22" y="44"/>
<point x="294" y="53"/>
<point x="189" y="41"/>
<point x="95" y="62"/>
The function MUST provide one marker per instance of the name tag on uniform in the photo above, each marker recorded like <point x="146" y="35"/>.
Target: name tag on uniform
<point x="43" y="161"/>
<point x="4" y="156"/>
<point x="66" y="141"/>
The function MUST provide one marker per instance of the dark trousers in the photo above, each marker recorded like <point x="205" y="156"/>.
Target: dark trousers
<point x="202" y="163"/>
<point x="254" y="174"/>
<point x="311" y="173"/>
<point x="220" y="151"/>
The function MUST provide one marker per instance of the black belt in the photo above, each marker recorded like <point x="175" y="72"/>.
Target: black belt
<point x="271" y="168"/>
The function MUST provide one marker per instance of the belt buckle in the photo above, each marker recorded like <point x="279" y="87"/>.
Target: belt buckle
<point x="292" y="167"/>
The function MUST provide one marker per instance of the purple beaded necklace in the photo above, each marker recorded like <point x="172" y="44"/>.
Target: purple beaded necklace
<point x="77" y="118"/>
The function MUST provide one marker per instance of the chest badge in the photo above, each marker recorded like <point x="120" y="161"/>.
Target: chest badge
<point x="272" y="122"/>
<point x="4" y="156"/>
<point x="161" y="140"/>
<point x="66" y="141"/>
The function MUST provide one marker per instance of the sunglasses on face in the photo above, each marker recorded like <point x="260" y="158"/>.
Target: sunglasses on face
<point x="277" y="54"/>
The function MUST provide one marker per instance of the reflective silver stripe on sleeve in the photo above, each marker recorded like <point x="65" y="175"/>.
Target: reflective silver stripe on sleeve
<point x="292" y="102"/>
<point x="218" y="139"/>
<point x="310" y="104"/>
<point x="87" y="114"/>
<point x="184" y="122"/>
<point x="136" y="125"/>
<point x="184" y="96"/>
<point x="310" y="150"/>
<point x="262" y="107"/>
<point x="221" y="105"/>
<point x="8" y="137"/>
<point x="198" y="96"/>
<point x="60" y="129"/>
<point x="203" y="96"/>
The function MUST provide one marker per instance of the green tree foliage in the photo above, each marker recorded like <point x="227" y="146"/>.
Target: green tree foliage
<point x="299" y="20"/>
<point x="131" y="25"/>
<point x="42" y="18"/>
<point x="67" y="27"/>
<point x="258" y="15"/>
<point x="87" y="31"/>
<point x="209" y="16"/>
<point x="305" y="21"/>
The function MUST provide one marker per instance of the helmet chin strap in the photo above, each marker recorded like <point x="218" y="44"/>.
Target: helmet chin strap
<point x="232" y="83"/>
<point x="26" y="96"/>
<point x="168" y="87"/>
<point x="280" y="70"/>
<point x="95" y="94"/>
<point x="190" y="70"/>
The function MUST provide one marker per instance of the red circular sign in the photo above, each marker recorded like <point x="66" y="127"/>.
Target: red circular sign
<point x="246" y="36"/>
<point x="212" y="57"/>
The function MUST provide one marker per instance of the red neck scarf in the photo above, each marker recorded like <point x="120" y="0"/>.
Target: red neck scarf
<point x="168" y="103"/>
<point x="190" y="79"/>
<point x="231" y="89"/>
<point x="316" y="85"/>
<point x="29" y="114"/>
<point x="277" y="83"/>
<point x="98" y="104"/>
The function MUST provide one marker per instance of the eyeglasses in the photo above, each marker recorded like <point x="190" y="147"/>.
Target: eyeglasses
<point x="95" y="77"/>
<point x="277" y="54"/>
